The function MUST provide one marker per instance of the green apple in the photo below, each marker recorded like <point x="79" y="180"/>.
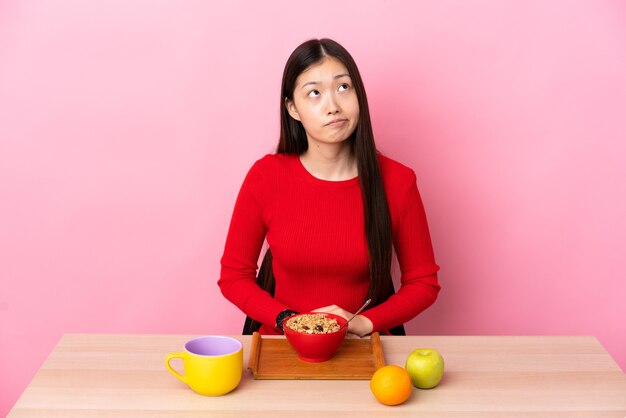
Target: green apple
<point x="425" y="366"/>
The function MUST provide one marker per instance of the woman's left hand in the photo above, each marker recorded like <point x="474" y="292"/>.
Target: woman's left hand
<point x="360" y="326"/>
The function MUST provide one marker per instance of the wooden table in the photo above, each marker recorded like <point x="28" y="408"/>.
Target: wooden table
<point x="125" y="376"/>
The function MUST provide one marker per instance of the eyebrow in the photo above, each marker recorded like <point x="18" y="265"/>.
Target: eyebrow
<point x="319" y="82"/>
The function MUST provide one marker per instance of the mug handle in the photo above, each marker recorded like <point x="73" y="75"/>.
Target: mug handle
<point x="169" y="367"/>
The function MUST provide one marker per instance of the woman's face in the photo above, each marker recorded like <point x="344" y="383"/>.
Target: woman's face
<point x="325" y="102"/>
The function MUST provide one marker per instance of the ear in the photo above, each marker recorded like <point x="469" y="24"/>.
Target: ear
<point x="291" y="108"/>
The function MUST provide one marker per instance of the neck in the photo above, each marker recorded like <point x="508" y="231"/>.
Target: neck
<point x="333" y="162"/>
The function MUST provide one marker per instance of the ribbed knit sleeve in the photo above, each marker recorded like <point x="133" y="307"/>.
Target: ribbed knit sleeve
<point x="412" y="244"/>
<point x="241" y="252"/>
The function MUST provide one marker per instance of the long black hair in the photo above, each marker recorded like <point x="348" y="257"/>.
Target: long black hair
<point x="293" y="140"/>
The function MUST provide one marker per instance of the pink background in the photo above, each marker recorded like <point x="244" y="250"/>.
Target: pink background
<point x="127" y="127"/>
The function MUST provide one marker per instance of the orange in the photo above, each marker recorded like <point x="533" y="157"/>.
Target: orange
<point x="391" y="385"/>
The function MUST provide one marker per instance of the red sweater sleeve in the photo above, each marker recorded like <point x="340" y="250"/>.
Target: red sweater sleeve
<point x="241" y="252"/>
<point x="413" y="247"/>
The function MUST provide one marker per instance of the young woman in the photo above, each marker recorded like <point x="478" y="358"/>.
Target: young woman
<point x="331" y="209"/>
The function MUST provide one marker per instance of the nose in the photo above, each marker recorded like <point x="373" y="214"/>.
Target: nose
<point x="333" y="106"/>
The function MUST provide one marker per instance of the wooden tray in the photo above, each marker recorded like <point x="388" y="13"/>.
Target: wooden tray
<point x="356" y="359"/>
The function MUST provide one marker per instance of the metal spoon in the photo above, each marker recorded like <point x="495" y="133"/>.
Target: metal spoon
<point x="367" y="302"/>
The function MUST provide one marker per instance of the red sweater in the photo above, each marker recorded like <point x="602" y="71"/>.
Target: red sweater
<point x="315" y="231"/>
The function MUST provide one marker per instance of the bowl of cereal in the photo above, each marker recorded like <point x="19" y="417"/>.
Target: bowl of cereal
<point x="315" y="336"/>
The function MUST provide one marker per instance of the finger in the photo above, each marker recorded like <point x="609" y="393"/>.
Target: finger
<point x="328" y="309"/>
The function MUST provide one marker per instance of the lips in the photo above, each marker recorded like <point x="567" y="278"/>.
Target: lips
<point x="337" y="122"/>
